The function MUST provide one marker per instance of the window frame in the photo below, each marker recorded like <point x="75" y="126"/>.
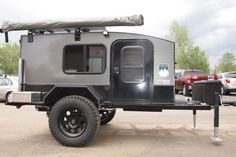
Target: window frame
<point x="123" y="67"/>
<point x="84" y="73"/>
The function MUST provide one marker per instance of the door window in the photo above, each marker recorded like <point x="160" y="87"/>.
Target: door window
<point x="132" y="64"/>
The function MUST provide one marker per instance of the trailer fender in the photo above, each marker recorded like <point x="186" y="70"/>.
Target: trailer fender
<point x="58" y="92"/>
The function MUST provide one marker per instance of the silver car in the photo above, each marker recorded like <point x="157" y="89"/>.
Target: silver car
<point x="228" y="80"/>
<point x="7" y="84"/>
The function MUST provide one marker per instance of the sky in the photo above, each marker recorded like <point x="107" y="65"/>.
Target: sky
<point x="211" y="23"/>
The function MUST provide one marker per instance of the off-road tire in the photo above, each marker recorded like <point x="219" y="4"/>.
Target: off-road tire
<point x="86" y="108"/>
<point x="107" y="116"/>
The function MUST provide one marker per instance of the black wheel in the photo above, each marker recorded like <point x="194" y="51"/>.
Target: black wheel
<point x="8" y="97"/>
<point x="186" y="92"/>
<point x="106" y="116"/>
<point x="74" y="121"/>
<point x="176" y="91"/>
<point x="224" y="91"/>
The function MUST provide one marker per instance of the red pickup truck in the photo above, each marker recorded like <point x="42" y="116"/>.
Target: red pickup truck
<point x="185" y="78"/>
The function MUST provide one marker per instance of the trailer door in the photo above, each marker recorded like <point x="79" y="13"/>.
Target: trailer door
<point x="132" y="69"/>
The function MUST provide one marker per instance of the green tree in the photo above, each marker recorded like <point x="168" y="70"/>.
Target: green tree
<point x="9" y="56"/>
<point x="226" y="63"/>
<point x="188" y="56"/>
<point x="196" y="59"/>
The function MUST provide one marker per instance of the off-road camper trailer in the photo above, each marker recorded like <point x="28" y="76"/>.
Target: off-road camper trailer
<point x="79" y="73"/>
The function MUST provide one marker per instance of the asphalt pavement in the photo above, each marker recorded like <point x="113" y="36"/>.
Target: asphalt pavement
<point x="231" y="99"/>
<point x="24" y="133"/>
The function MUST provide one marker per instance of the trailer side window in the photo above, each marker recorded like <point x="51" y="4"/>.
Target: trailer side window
<point x="84" y="59"/>
<point x="132" y="64"/>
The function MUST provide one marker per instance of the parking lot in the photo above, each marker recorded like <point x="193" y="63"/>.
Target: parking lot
<point x="25" y="133"/>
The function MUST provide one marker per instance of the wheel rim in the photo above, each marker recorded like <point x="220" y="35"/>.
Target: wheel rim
<point x="72" y="122"/>
<point x="105" y="114"/>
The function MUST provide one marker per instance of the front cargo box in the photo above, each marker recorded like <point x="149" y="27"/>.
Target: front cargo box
<point x="204" y="91"/>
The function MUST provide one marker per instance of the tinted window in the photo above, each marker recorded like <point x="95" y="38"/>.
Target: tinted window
<point x="193" y="73"/>
<point x="177" y="75"/>
<point x="132" y="64"/>
<point x="84" y="58"/>
<point x="232" y="75"/>
<point x="5" y="82"/>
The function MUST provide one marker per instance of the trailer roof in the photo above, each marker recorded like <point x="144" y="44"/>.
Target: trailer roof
<point x="135" y="20"/>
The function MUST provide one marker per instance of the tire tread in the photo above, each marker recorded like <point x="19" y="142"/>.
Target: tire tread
<point x="53" y="126"/>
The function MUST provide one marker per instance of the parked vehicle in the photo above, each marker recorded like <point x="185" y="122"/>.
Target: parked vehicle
<point x="7" y="84"/>
<point x="186" y="78"/>
<point x="177" y="71"/>
<point x="212" y="77"/>
<point x="228" y="80"/>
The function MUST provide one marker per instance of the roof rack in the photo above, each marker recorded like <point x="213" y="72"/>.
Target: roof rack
<point x="76" y="31"/>
<point x="70" y="30"/>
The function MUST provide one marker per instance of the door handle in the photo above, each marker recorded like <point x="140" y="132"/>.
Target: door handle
<point x="116" y="70"/>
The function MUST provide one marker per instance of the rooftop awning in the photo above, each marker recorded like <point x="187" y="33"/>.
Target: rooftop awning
<point x="136" y="20"/>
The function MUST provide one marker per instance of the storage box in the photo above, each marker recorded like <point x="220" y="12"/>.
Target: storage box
<point x="204" y="91"/>
<point x="24" y="97"/>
